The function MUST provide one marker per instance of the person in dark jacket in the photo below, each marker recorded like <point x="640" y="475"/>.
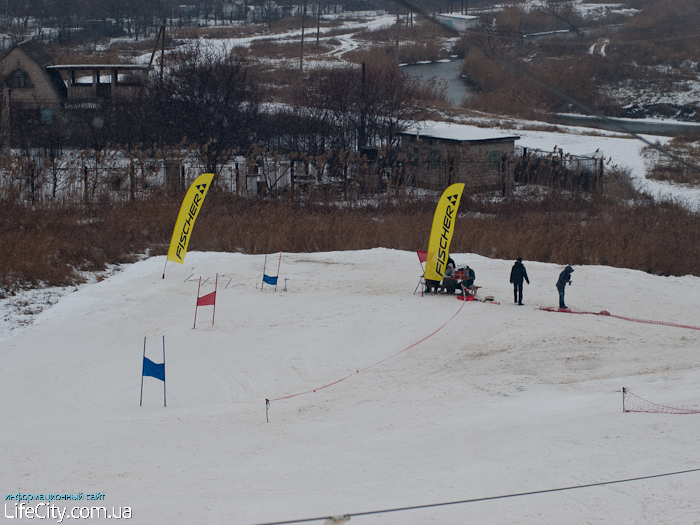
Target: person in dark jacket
<point x="564" y="278"/>
<point x="449" y="283"/>
<point x="517" y="274"/>
<point x="470" y="275"/>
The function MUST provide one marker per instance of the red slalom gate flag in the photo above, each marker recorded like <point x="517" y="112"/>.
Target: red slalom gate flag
<point x="206" y="300"/>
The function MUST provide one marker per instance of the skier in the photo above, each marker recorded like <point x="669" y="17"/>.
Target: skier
<point x="517" y="274"/>
<point x="564" y="278"/>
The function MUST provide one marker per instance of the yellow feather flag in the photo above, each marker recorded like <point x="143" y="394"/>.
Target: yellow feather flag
<point x="441" y="233"/>
<point x="188" y="214"/>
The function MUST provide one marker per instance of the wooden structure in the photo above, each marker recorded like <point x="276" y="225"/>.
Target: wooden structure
<point x="35" y="88"/>
<point x="24" y="71"/>
<point x="440" y="154"/>
<point x="35" y="82"/>
<point x="102" y="81"/>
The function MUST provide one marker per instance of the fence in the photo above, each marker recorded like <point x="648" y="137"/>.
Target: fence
<point x="114" y="176"/>
<point x="559" y="170"/>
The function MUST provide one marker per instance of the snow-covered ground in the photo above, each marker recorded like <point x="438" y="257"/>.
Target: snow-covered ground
<point x="631" y="93"/>
<point x="368" y="20"/>
<point x="502" y="400"/>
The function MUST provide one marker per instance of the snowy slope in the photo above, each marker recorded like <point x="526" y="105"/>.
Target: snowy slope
<point x="503" y="399"/>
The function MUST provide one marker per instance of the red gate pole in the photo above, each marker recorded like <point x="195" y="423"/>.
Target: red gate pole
<point x="215" y="287"/>
<point x="197" y="305"/>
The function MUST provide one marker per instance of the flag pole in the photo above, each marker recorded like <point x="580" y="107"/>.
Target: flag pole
<point x="144" y="357"/>
<point x="216" y="284"/>
<point x="264" y="266"/>
<point x="164" y="403"/>
<point x="278" y="266"/>
<point x="166" y="264"/>
<point x="197" y="305"/>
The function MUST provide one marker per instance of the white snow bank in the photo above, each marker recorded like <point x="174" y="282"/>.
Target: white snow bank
<point x="504" y="399"/>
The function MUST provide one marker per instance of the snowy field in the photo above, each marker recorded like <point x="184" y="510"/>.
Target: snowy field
<point x="502" y="400"/>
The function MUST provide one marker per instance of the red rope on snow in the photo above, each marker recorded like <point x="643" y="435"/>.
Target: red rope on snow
<point x="375" y="364"/>
<point x="608" y="314"/>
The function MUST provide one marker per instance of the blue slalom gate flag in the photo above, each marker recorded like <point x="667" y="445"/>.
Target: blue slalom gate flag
<point x="153" y="369"/>
<point x="270" y="280"/>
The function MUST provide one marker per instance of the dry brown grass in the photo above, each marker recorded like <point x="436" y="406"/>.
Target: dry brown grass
<point x="684" y="147"/>
<point x="235" y="31"/>
<point x="501" y="90"/>
<point x="290" y="50"/>
<point x="419" y="42"/>
<point x="636" y="237"/>
<point x="412" y="53"/>
<point x="370" y="55"/>
<point x="46" y="244"/>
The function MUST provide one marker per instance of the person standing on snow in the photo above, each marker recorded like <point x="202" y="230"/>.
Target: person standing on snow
<point x="517" y="274"/>
<point x="564" y="278"/>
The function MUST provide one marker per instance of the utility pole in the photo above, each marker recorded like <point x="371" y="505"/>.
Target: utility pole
<point x="162" y="50"/>
<point x="318" y="22"/>
<point x="301" y="56"/>
<point x="362" y="135"/>
<point x="398" y="25"/>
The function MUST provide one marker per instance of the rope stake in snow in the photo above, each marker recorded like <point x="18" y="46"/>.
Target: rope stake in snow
<point x="608" y="314"/>
<point x="375" y="364"/>
<point x="267" y="407"/>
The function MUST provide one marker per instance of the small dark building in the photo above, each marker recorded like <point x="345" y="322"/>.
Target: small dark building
<point x="440" y="154"/>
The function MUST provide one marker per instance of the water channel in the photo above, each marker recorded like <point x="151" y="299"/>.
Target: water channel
<point x="457" y="90"/>
<point x="450" y="71"/>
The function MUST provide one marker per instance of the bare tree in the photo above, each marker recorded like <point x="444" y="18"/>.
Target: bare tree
<point x="561" y="10"/>
<point x="209" y="97"/>
<point x="354" y="108"/>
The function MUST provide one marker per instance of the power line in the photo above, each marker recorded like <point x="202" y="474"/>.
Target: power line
<point x="616" y="125"/>
<point x="488" y="498"/>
